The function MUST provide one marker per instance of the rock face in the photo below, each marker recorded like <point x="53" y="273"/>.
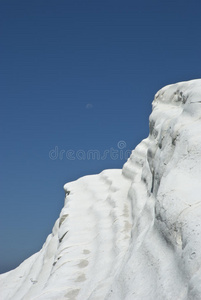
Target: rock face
<point x="133" y="233"/>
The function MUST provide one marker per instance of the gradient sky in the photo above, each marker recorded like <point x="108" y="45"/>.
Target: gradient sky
<point x="78" y="75"/>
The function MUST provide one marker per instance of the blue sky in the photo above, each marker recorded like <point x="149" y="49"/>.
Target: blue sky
<point x="78" y="75"/>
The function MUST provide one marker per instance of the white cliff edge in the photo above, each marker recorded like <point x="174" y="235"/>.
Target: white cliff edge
<point x="133" y="233"/>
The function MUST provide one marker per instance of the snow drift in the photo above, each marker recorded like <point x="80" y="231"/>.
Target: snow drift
<point x="133" y="233"/>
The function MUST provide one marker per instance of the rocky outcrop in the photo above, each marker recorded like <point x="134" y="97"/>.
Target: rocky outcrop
<point x="133" y="233"/>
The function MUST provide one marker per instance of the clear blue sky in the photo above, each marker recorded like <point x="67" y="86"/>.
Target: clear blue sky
<point x="79" y="75"/>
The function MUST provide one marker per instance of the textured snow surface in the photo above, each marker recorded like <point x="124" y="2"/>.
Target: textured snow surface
<point x="133" y="233"/>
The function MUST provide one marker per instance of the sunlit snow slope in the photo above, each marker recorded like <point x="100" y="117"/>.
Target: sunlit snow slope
<point x="133" y="233"/>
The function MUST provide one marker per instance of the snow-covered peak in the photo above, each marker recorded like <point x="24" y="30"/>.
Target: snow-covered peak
<point x="133" y="233"/>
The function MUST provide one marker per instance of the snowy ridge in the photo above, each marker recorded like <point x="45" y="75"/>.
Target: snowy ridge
<point x="133" y="233"/>
<point x="86" y="247"/>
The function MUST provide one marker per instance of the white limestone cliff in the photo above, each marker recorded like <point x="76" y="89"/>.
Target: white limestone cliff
<point x="133" y="233"/>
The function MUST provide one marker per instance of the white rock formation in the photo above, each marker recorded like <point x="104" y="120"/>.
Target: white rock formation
<point x="133" y="233"/>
